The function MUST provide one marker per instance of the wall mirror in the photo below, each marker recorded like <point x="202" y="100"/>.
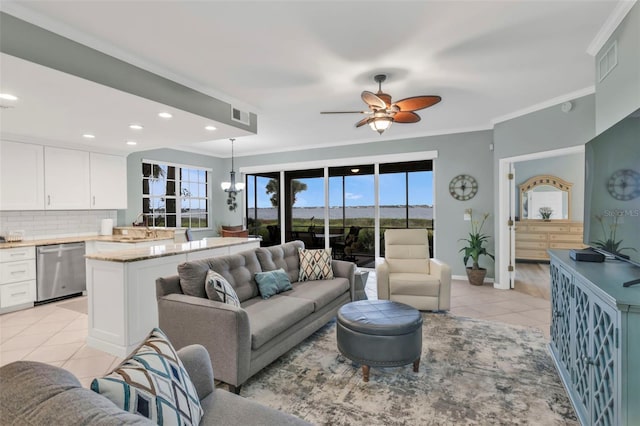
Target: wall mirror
<point x="545" y="197"/>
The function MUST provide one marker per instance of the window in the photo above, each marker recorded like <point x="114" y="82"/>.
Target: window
<point x="175" y="196"/>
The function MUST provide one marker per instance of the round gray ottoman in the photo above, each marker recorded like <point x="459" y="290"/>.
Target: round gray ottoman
<point x="380" y="333"/>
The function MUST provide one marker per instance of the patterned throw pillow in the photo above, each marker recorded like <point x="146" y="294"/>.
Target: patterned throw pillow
<point x="315" y="265"/>
<point x="218" y="288"/>
<point x="272" y="282"/>
<point x="153" y="383"/>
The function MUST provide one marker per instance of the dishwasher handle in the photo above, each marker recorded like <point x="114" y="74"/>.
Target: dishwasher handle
<point x="60" y="248"/>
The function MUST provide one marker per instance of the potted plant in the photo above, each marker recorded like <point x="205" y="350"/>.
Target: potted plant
<point x="475" y="249"/>
<point x="546" y="213"/>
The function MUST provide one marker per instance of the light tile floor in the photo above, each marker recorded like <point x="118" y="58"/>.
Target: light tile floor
<point x="56" y="335"/>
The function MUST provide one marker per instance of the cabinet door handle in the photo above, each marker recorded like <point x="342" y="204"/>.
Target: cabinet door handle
<point x="94" y="200"/>
<point x="24" y="271"/>
<point x="17" y="254"/>
<point x="18" y="294"/>
<point x="48" y="200"/>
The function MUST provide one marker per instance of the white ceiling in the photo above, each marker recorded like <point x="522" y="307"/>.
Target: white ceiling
<point x="287" y="61"/>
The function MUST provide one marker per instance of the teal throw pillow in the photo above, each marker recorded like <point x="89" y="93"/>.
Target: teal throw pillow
<point x="272" y="282"/>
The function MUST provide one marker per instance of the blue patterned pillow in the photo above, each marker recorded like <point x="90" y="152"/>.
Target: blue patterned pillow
<point x="153" y="383"/>
<point x="218" y="288"/>
<point x="272" y="282"/>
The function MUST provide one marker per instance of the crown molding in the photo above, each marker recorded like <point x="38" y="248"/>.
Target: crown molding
<point x="610" y="26"/>
<point x="546" y="104"/>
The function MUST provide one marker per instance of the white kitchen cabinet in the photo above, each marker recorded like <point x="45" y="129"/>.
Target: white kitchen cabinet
<point x="17" y="278"/>
<point x="108" y="181"/>
<point x="67" y="179"/>
<point x="21" y="176"/>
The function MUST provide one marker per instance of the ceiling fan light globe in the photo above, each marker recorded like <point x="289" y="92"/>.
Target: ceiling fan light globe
<point x="380" y="124"/>
<point x="225" y="185"/>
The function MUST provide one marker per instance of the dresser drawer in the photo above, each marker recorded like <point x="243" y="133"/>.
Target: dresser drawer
<point x="524" y="236"/>
<point x="18" y="271"/>
<point x="17" y="293"/>
<point x="531" y="245"/>
<point x="18" y="253"/>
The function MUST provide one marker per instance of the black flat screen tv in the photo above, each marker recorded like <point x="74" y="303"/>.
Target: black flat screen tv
<point x="612" y="190"/>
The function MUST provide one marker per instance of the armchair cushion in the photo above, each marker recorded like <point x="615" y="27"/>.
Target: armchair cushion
<point x="153" y="383"/>
<point x="408" y="283"/>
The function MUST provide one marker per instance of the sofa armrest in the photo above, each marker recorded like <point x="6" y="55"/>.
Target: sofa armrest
<point x="195" y="359"/>
<point x="346" y="270"/>
<point x="442" y="270"/>
<point x="222" y="329"/>
<point x="382" y="280"/>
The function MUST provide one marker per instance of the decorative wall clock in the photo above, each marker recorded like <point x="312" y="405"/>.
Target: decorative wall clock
<point x="624" y="185"/>
<point x="463" y="187"/>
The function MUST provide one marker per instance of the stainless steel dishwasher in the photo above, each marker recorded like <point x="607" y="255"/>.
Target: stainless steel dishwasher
<point x="60" y="270"/>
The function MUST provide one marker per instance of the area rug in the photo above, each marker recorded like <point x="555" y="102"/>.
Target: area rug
<point x="472" y="372"/>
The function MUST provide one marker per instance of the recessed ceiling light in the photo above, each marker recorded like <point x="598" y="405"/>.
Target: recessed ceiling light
<point x="132" y="143"/>
<point x="165" y="115"/>
<point x="8" y="97"/>
<point x="210" y="128"/>
<point x="89" y="136"/>
<point x="135" y="126"/>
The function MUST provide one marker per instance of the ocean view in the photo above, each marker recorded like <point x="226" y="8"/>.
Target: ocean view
<point x="391" y="212"/>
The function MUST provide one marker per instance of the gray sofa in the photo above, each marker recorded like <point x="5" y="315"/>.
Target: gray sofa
<point x="33" y="393"/>
<point x="243" y="340"/>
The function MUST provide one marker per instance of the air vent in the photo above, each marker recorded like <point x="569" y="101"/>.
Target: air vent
<point x="240" y="116"/>
<point x="608" y="61"/>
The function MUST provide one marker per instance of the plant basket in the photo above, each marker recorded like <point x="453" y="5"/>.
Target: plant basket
<point x="476" y="276"/>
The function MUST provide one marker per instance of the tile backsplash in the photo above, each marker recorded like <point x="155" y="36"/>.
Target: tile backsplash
<point x="54" y="223"/>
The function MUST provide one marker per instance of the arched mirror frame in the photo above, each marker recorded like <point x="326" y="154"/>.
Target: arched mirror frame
<point x="548" y="180"/>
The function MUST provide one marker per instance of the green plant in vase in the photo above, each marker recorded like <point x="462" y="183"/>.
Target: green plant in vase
<point x="545" y="212"/>
<point x="610" y="244"/>
<point x="474" y="249"/>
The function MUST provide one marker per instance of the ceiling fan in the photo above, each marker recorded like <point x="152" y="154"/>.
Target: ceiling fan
<point x="382" y="112"/>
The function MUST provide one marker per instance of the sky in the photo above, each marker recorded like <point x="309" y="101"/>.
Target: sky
<point x="359" y="190"/>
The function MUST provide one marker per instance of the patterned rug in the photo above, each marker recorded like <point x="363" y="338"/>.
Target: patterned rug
<point x="472" y="372"/>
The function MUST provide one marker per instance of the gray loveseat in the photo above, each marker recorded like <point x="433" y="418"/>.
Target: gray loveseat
<point x="243" y="340"/>
<point x="33" y="393"/>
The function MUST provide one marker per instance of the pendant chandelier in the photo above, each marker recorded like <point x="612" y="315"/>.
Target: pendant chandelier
<point x="232" y="185"/>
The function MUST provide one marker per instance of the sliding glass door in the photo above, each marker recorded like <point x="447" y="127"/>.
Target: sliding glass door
<point x="263" y="213"/>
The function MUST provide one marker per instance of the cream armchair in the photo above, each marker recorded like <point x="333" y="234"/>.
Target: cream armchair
<point x="409" y="276"/>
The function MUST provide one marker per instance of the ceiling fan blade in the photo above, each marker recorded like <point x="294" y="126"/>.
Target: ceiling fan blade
<point x="416" y="103"/>
<point x="363" y="121"/>
<point x="406" y="117"/>
<point x="373" y="100"/>
<point x="345" y="112"/>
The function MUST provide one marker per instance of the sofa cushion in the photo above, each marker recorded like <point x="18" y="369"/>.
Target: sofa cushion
<point x="320" y="292"/>
<point x="33" y="393"/>
<point x="408" y="283"/>
<point x="193" y="273"/>
<point x="239" y="270"/>
<point x="315" y="265"/>
<point x="268" y="318"/>
<point x="153" y="383"/>
<point x="272" y="282"/>
<point x="220" y="290"/>
<point x="283" y="256"/>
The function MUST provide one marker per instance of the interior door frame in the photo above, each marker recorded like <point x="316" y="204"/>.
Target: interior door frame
<point x="506" y="208"/>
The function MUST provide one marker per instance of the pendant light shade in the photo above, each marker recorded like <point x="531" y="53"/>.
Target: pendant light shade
<point x="232" y="185"/>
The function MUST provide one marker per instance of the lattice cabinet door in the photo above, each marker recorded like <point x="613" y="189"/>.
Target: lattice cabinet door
<point x="604" y="359"/>
<point x="561" y="283"/>
<point x="580" y="349"/>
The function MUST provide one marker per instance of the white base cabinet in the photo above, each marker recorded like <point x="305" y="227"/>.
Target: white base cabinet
<point x="17" y="278"/>
<point x="595" y="338"/>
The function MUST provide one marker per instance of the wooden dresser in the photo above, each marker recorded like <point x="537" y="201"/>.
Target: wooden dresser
<point x="535" y="237"/>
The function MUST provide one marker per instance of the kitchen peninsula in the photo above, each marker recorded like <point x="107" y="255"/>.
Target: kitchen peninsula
<point x="121" y="288"/>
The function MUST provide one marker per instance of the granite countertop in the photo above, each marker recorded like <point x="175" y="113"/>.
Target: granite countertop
<point x="62" y="240"/>
<point x="144" y="253"/>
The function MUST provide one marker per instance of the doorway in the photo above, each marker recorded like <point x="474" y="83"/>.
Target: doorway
<point x="515" y="271"/>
